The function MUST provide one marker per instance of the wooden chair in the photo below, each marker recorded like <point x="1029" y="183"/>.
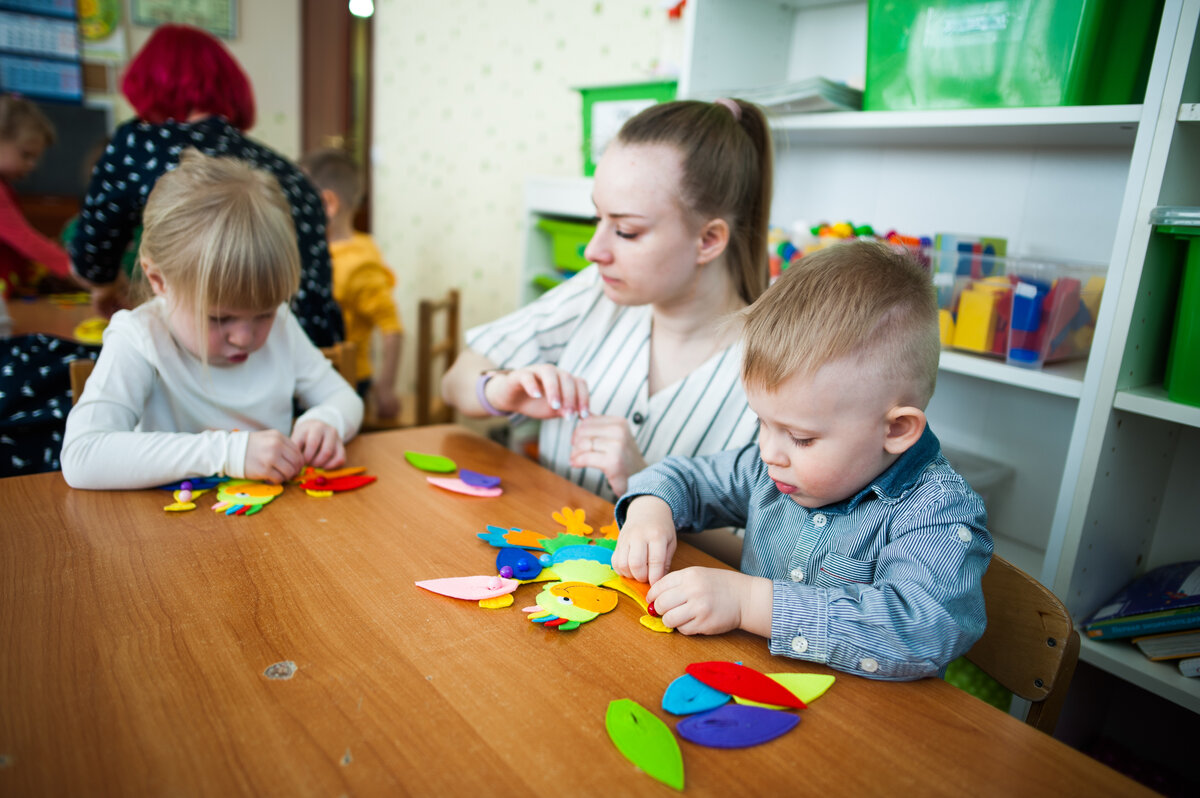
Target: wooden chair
<point x="1030" y="646"/>
<point x="342" y="356"/>
<point x="80" y="370"/>
<point x="434" y="358"/>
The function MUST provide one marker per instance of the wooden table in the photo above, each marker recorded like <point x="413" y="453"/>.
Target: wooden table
<point x="41" y="315"/>
<point x="135" y="645"/>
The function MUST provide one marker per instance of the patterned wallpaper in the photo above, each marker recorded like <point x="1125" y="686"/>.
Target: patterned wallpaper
<point x="470" y="98"/>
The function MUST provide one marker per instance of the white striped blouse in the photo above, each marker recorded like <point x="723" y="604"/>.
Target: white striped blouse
<point x="581" y="331"/>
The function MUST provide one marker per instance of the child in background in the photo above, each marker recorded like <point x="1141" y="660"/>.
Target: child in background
<point x="200" y="379"/>
<point x="25" y="133"/>
<point x="864" y="549"/>
<point x="362" y="284"/>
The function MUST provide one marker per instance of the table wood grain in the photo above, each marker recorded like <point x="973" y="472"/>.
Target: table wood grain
<point x="136" y="641"/>
<point x="41" y="315"/>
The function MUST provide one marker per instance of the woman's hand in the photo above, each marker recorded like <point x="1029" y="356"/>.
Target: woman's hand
<point x="607" y="443"/>
<point x="539" y="391"/>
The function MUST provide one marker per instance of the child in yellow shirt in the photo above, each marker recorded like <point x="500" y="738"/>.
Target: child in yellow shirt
<point x="362" y="283"/>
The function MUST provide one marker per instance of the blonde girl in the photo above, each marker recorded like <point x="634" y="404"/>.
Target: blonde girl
<point x="201" y="378"/>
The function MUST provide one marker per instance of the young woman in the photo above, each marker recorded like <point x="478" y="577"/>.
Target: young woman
<point x="627" y="362"/>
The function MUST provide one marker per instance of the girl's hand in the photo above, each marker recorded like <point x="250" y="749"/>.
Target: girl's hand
<point x="607" y="443"/>
<point x="646" y="543"/>
<point x="539" y="391"/>
<point x="272" y="457"/>
<point x="320" y="445"/>
<point x="709" y="601"/>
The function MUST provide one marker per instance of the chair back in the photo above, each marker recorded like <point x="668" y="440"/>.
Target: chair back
<point x="434" y="357"/>
<point x="344" y="357"/>
<point x="80" y="370"/>
<point x="1030" y="645"/>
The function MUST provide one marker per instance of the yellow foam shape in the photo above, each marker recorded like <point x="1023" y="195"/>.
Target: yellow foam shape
<point x="179" y="507"/>
<point x="91" y="331"/>
<point x="808" y="687"/>
<point x="946" y="326"/>
<point x="497" y="602"/>
<point x="319" y="494"/>
<point x="976" y="320"/>
<point x="655" y="624"/>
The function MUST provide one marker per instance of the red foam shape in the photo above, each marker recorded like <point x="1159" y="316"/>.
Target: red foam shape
<point x="555" y="622"/>
<point x="729" y="677"/>
<point x="338" y="483"/>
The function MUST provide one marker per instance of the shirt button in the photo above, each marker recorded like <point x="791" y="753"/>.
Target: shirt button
<point x="964" y="534"/>
<point x="797" y="575"/>
<point x="820" y="519"/>
<point x="799" y="645"/>
<point x="638" y="418"/>
<point x="868" y="665"/>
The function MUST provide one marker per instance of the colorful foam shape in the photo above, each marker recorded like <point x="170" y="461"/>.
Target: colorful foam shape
<point x="524" y="565"/>
<point x="808" y="687"/>
<point x="337" y="484"/>
<point x="475" y="588"/>
<point x="431" y="462"/>
<point x="456" y="485"/>
<point x="736" y="726"/>
<point x="478" y="480"/>
<point x="687" y="695"/>
<point x="573" y="519"/>
<point x="497" y="602"/>
<point x="590" y="571"/>
<point x="645" y="741"/>
<point x="196" y="483"/>
<point x="244" y="497"/>
<point x="522" y="538"/>
<point x="739" y="680"/>
<point x="600" y="554"/>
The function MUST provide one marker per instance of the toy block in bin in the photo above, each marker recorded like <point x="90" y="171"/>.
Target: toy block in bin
<point x="568" y="241"/>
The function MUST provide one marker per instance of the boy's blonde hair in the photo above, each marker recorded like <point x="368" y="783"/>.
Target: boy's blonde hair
<point x="220" y="231"/>
<point x="860" y="299"/>
<point x="335" y="170"/>
<point x="18" y="116"/>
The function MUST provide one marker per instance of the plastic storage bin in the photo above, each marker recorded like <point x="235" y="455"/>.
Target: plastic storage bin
<point x="1182" y="376"/>
<point x="924" y="54"/>
<point x="1028" y="311"/>
<point x="605" y="109"/>
<point x="568" y="240"/>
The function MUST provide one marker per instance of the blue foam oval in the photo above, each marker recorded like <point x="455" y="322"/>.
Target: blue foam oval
<point x="524" y="564"/>
<point x="687" y="695"/>
<point x="736" y="726"/>
<point x="478" y="480"/>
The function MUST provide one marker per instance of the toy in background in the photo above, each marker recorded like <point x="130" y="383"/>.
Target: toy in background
<point x="786" y="248"/>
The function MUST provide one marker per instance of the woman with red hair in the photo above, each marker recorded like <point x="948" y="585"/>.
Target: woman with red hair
<point x="189" y="91"/>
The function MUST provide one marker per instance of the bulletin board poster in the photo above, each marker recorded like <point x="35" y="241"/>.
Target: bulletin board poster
<point x="218" y="17"/>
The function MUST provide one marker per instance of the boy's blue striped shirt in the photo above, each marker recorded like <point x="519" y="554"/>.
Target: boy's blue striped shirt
<point x="885" y="584"/>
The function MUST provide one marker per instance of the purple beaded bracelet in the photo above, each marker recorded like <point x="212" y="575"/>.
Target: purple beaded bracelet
<point x="480" y="384"/>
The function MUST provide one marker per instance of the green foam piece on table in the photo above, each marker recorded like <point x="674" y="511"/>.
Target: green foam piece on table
<point x="645" y="741"/>
<point x="431" y="462"/>
<point x="968" y="677"/>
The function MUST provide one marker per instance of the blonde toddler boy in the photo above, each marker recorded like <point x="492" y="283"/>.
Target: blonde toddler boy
<point x="864" y="549"/>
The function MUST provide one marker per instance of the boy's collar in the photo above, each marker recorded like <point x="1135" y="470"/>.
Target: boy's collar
<point x="899" y="477"/>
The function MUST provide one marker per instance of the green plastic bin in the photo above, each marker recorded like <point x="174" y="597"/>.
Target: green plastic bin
<point x="568" y="241"/>
<point x="605" y="109"/>
<point x="1182" y="375"/>
<point x="932" y="54"/>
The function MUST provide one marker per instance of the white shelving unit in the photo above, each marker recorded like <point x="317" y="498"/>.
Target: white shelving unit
<point x="1103" y="464"/>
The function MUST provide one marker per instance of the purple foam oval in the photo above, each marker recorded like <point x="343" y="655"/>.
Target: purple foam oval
<point x="478" y="480"/>
<point x="736" y="726"/>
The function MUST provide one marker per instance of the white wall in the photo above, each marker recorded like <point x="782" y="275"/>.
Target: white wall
<point x="470" y="98"/>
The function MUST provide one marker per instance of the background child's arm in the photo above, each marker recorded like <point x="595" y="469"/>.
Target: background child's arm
<point x="18" y="234"/>
<point x="101" y="450"/>
<point x="921" y="609"/>
<point x="384" y="386"/>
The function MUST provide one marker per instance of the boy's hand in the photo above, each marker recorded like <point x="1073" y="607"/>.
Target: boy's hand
<point x="709" y="601"/>
<point x="272" y="457"/>
<point x="539" y="391"/>
<point x="319" y="444"/>
<point x="387" y="404"/>
<point x="607" y="443"/>
<point x="646" y="543"/>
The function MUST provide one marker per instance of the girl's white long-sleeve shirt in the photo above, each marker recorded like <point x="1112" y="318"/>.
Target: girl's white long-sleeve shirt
<point x="152" y="413"/>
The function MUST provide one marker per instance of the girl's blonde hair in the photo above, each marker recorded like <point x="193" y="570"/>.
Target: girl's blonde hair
<point x="860" y="299"/>
<point x="19" y="116"/>
<point x="728" y="159"/>
<point x="220" y="232"/>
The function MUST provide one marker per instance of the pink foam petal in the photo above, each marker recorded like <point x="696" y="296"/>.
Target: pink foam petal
<point x="474" y="588"/>
<point x="458" y="486"/>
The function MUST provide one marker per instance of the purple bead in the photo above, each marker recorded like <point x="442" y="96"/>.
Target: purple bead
<point x="185" y="485"/>
<point x="506" y="571"/>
